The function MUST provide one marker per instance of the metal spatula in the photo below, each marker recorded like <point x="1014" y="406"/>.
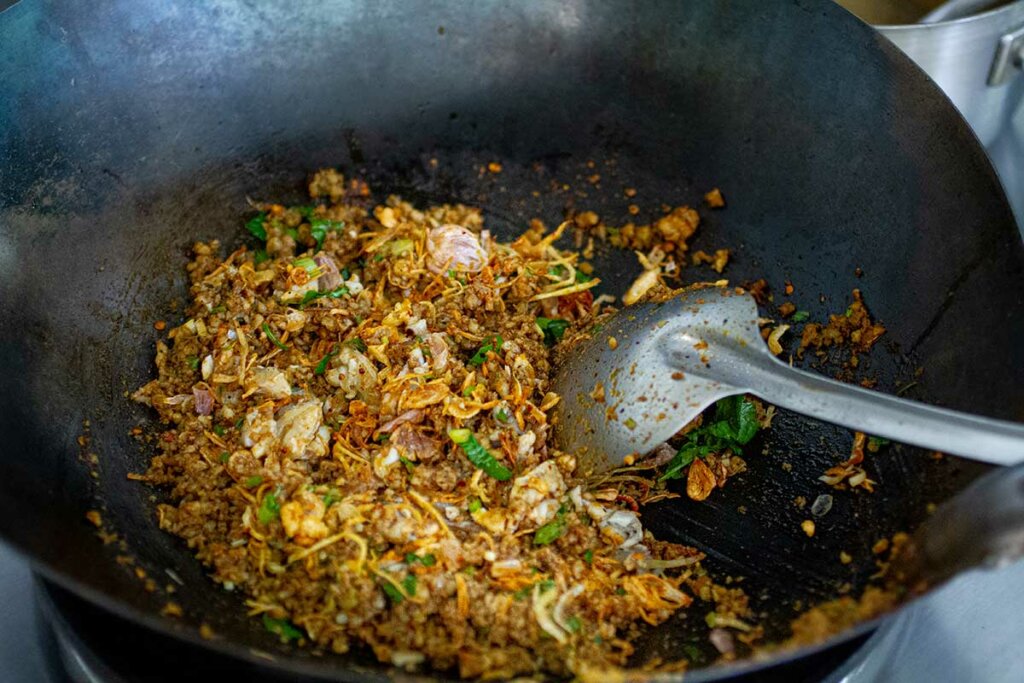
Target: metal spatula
<point x="653" y="367"/>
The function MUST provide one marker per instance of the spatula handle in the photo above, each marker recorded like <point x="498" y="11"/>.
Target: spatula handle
<point x="979" y="438"/>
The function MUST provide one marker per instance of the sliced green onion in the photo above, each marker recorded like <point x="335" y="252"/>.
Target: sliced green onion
<point x="800" y="316"/>
<point x="588" y="557"/>
<point x="331" y="497"/>
<point x="314" y="294"/>
<point x="271" y="336"/>
<point x="409" y="584"/>
<point x="574" y="624"/>
<point x="550" y="532"/>
<point x="393" y="593"/>
<point x="478" y="455"/>
<point x="399" y="247"/>
<point x="357" y="344"/>
<point x="282" y="627"/>
<point x="308" y="265"/>
<point x="225" y="456"/>
<point x="475" y="506"/>
<point x="270" y="509"/>
<point x="193" y="362"/>
<point x="253" y="482"/>
<point x="321" y="367"/>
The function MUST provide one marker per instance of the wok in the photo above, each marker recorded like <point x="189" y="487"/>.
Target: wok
<point x="132" y="129"/>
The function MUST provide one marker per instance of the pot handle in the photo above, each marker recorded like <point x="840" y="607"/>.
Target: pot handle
<point x="1009" y="55"/>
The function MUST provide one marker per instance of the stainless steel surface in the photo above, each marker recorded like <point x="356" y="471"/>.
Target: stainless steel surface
<point x="958" y="9"/>
<point x="670" y="360"/>
<point x="959" y="55"/>
<point x="1009" y="57"/>
<point x="980" y="527"/>
<point x="975" y="60"/>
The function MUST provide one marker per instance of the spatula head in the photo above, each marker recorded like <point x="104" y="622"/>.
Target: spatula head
<point x="648" y="371"/>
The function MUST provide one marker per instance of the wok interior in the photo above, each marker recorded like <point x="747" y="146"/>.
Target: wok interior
<point x="182" y="114"/>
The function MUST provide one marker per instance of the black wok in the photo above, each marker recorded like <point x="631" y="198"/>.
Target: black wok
<point x="131" y="129"/>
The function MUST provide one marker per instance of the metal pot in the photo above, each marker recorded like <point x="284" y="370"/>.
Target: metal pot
<point x="976" y="59"/>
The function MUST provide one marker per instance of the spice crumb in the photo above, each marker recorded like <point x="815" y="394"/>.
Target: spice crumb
<point x="880" y="546"/>
<point x="494" y="167"/>
<point x="159" y="325"/>
<point x="613" y="343"/>
<point x="808" y="527"/>
<point x="172" y="609"/>
<point x="714" y="199"/>
<point x="94" y="518"/>
<point x="845" y="557"/>
<point x="633" y="209"/>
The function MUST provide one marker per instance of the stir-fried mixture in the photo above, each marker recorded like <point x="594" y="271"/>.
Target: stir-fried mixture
<point x="357" y="439"/>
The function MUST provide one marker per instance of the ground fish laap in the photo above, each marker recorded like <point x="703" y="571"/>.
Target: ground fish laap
<point x="357" y="440"/>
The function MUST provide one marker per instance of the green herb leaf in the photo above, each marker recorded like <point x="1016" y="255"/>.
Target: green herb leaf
<point x="225" y="456"/>
<point x="475" y="505"/>
<point x="478" y="455"/>
<point x="493" y="344"/>
<point x="469" y="390"/>
<point x="219" y="309"/>
<point x="849" y="311"/>
<point x="800" y="316"/>
<point x="331" y="497"/>
<point x="553" y="329"/>
<point x="502" y="415"/>
<point x="583" y="277"/>
<point x="270" y="509"/>
<point x="319" y="227"/>
<point x="550" y="532"/>
<point x="588" y="557"/>
<point x="382" y="437"/>
<point x="271" y="336"/>
<point x="193" y="362"/>
<point x="735" y="419"/>
<point x="409" y="584"/>
<point x="282" y="627"/>
<point x="260" y="256"/>
<point x="219" y="430"/>
<point x="409" y="464"/>
<point x="876" y="442"/>
<point x="256" y="226"/>
<point x="733" y="425"/>
<point x="574" y="624"/>
<point x="545" y="585"/>
<point x="321" y="367"/>
<point x="253" y="482"/>
<point x="357" y="344"/>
